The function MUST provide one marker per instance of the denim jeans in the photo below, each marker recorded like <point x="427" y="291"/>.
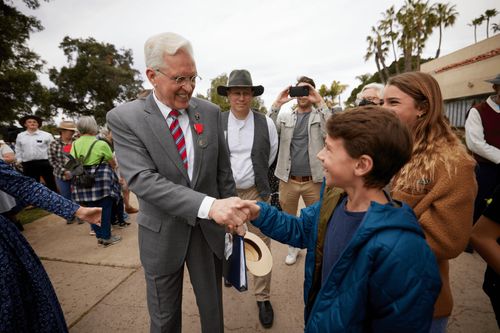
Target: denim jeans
<point x="64" y="187"/>
<point x="104" y="231"/>
<point x="439" y="325"/>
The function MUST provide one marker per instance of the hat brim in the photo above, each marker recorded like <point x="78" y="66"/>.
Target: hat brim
<point x="493" y="81"/>
<point x="257" y="90"/>
<point x="38" y="120"/>
<point x="67" y="128"/>
<point x="258" y="256"/>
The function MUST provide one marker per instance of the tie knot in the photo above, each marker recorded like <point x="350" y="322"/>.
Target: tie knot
<point x="174" y="113"/>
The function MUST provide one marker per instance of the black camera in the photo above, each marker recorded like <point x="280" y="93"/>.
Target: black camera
<point x="298" y="91"/>
<point x="365" y="101"/>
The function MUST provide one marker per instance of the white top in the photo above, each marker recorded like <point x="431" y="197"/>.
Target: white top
<point x="240" y="135"/>
<point x="32" y="146"/>
<point x="183" y="118"/>
<point x="474" y="134"/>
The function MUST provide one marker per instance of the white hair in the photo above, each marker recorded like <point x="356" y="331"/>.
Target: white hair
<point x="87" y="125"/>
<point x="167" y="42"/>
<point x="379" y="87"/>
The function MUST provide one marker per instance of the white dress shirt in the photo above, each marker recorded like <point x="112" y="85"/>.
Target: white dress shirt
<point x="474" y="134"/>
<point x="31" y="146"/>
<point x="183" y="118"/>
<point x="240" y="135"/>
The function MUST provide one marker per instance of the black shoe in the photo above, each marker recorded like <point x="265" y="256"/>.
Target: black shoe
<point x="227" y="283"/>
<point x="266" y="313"/>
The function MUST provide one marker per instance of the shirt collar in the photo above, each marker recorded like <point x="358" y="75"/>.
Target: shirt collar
<point x="165" y="109"/>
<point x="492" y="104"/>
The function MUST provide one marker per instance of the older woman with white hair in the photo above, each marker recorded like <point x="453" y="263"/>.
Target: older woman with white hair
<point x="97" y="158"/>
<point x="371" y="93"/>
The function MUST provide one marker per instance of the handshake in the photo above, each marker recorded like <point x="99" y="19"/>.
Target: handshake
<point x="234" y="213"/>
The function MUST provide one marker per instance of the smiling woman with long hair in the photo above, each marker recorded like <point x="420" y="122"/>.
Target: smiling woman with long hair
<point x="438" y="182"/>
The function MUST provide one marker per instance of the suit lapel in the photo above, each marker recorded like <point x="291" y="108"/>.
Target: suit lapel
<point x="159" y="128"/>
<point x="195" y="117"/>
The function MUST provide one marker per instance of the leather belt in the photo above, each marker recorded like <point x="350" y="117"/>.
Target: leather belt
<point x="301" y="178"/>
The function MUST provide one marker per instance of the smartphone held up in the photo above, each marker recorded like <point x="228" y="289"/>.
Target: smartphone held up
<point x="298" y="91"/>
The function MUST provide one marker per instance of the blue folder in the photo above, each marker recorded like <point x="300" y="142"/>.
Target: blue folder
<point x="237" y="272"/>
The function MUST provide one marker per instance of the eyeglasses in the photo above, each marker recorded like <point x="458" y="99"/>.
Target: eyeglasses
<point x="182" y="80"/>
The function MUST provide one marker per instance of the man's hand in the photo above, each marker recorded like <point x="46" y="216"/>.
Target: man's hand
<point x="231" y="211"/>
<point x="282" y="98"/>
<point x="91" y="215"/>
<point x="67" y="175"/>
<point x="252" y="208"/>
<point x="314" y="96"/>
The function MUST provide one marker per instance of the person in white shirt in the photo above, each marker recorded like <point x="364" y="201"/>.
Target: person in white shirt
<point x="482" y="135"/>
<point x="253" y="142"/>
<point x="32" y="151"/>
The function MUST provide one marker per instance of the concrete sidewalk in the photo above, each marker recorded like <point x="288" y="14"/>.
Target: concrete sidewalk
<point x="103" y="289"/>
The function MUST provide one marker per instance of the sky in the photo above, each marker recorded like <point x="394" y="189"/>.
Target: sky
<point x="276" y="40"/>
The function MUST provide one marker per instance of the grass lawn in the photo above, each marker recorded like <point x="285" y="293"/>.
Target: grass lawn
<point x="31" y="214"/>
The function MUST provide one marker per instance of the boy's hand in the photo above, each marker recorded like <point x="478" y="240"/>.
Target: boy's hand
<point x="252" y="208"/>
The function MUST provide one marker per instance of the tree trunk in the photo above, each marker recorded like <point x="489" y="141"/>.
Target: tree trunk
<point x="475" y="37"/>
<point x="439" y="45"/>
<point x="396" y="64"/>
<point x="378" y="68"/>
<point x="487" y="27"/>
<point x="407" y="56"/>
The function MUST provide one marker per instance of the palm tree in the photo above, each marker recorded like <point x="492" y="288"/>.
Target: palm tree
<point x="382" y="49"/>
<point x="495" y="27"/>
<point x="475" y="22"/>
<point x="446" y="16"/>
<point x="489" y="13"/>
<point x="372" y="51"/>
<point x="387" y="25"/>
<point x="331" y="93"/>
<point x="364" y="78"/>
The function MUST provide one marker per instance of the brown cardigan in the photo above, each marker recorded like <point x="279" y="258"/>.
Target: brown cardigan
<point x="444" y="209"/>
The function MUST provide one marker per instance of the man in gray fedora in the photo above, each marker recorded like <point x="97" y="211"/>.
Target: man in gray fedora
<point x="171" y="150"/>
<point x="252" y="140"/>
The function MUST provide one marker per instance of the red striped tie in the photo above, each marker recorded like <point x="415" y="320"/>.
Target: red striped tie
<point x="178" y="136"/>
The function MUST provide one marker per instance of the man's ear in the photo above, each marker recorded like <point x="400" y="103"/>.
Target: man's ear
<point x="151" y="75"/>
<point x="364" y="165"/>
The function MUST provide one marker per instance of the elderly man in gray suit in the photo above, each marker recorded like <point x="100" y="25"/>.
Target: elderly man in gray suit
<point x="172" y="152"/>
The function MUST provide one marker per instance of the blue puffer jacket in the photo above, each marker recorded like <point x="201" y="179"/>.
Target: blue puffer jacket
<point x="386" y="280"/>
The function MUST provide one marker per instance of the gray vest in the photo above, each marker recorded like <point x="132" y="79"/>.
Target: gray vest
<point x="260" y="151"/>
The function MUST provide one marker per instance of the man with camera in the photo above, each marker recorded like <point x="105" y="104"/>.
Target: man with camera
<point x="253" y="142"/>
<point x="302" y="134"/>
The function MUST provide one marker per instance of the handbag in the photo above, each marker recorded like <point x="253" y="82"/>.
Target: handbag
<point x="82" y="177"/>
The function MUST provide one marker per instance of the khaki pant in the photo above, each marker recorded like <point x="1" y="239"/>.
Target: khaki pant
<point x="262" y="284"/>
<point x="290" y="194"/>
<point x="291" y="191"/>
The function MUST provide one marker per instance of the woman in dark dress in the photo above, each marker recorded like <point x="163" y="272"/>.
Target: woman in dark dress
<point x="28" y="302"/>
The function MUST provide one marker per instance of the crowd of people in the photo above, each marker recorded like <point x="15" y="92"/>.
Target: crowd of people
<point x="389" y="188"/>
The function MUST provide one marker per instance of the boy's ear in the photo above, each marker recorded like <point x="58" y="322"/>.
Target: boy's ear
<point x="364" y="165"/>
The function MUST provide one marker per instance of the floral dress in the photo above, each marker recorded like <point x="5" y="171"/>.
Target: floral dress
<point x="28" y="302"/>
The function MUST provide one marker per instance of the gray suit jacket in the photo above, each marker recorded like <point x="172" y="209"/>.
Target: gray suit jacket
<point x="153" y="169"/>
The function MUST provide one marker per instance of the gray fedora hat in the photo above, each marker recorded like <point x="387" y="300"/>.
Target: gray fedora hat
<point x="240" y="78"/>
<point x="495" y="80"/>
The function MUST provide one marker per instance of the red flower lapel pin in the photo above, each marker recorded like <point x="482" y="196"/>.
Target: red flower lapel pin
<point x="198" y="128"/>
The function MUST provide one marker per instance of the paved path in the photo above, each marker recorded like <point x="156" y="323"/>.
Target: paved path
<point x="103" y="289"/>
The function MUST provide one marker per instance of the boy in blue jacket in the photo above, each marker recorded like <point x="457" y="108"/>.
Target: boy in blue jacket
<point x="368" y="267"/>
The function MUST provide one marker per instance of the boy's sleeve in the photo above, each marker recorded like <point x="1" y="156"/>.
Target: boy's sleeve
<point x="285" y="228"/>
<point x="403" y="286"/>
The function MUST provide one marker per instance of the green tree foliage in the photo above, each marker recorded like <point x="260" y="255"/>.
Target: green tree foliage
<point x="378" y="48"/>
<point x="387" y="26"/>
<point x="222" y="102"/>
<point x="446" y="16"/>
<point x="331" y="93"/>
<point x="20" y="90"/>
<point x="96" y="79"/>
